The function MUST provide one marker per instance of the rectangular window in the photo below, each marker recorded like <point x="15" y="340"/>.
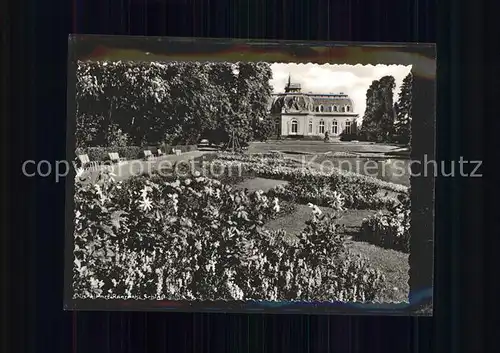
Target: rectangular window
<point x="347" y="127"/>
<point x="334" y="128"/>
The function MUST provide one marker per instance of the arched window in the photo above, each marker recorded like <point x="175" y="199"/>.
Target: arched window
<point x="343" y="109"/>
<point x="347" y="108"/>
<point x="295" y="126"/>
<point x="335" y="127"/>
<point x="317" y="109"/>
<point x="321" y="108"/>
<point x="335" y="108"/>
<point x="348" y="127"/>
<point x="321" y="127"/>
<point x="310" y="126"/>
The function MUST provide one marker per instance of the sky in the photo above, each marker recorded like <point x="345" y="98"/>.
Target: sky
<point x="352" y="80"/>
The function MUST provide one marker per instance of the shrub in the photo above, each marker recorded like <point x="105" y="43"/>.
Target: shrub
<point x="326" y="195"/>
<point x="390" y="230"/>
<point x="312" y="138"/>
<point x="317" y="267"/>
<point x="401" y="139"/>
<point x="350" y="137"/>
<point x="196" y="238"/>
<point x="116" y="137"/>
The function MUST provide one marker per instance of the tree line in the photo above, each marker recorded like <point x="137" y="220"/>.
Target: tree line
<point x="130" y="103"/>
<point x="385" y="120"/>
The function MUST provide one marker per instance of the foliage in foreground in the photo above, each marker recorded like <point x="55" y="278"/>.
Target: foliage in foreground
<point x="139" y="103"/>
<point x="389" y="230"/>
<point x="200" y="239"/>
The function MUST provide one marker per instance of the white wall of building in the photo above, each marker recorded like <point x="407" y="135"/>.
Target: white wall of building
<point x="303" y="127"/>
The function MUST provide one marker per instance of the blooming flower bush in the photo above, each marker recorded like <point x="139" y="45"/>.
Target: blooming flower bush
<point x="310" y="185"/>
<point x="289" y="169"/>
<point x="197" y="238"/>
<point x="390" y="230"/>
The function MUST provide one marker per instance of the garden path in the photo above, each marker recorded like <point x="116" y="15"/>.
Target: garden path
<point x="130" y="168"/>
<point x="136" y="167"/>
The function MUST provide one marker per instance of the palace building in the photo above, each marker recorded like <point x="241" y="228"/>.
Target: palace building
<point x="302" y="114"/>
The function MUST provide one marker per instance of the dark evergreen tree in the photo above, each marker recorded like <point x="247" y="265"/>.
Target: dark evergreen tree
<point x="402" y="126"/>
<point x="378" y="120"/>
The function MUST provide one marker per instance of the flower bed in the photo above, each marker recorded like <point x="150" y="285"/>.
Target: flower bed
<point x="310" y="185"/>
<point x="196" y="238"/>
<point x="389" y="230"/>
<point x="286" y="169"/>
<point x="259" y="158"/>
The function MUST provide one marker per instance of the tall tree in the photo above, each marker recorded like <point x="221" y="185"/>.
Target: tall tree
<point x="107" y="93"/>
<point x="402" y="125"/>
<point x="146" y="94"/>
<point x="192" y="101"/>
<point x="387" y="113"/>
<point x="243" y="97"/>
<point x="175" y="102"/>
<point x="378" y="120"/>
<point x="258" y="90"/>
<point x="369" y="125"/>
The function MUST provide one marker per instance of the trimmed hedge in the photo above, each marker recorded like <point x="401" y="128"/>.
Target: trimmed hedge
<point x="302" y="137"/>
<point x="100" y="154"/>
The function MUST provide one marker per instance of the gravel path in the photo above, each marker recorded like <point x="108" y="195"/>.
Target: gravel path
<point x="127" y="169"/>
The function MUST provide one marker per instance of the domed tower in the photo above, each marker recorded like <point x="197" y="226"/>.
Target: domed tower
<point x="292" y="100"/>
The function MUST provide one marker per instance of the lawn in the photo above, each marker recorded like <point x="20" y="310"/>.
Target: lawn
<point x="393" y="264"/>
<point x="254" y="184"/>
<point x="314" y="147"/>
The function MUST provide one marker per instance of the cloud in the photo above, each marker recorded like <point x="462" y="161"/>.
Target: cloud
<point x="353" y="80"/>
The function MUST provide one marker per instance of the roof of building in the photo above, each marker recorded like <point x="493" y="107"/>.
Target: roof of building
<point x="292" y="102"/>
<point x="295" y="100"/>
<point x="304" y="102"/>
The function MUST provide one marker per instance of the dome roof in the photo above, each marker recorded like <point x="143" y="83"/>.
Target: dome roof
<point x="292" y="102"/>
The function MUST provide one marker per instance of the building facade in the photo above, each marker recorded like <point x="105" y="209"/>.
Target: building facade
<point x="298" y="114"/>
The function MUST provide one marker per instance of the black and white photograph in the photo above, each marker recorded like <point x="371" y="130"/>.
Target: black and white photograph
<point x="208" y="182"/>
<point x="242" y="181"/>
